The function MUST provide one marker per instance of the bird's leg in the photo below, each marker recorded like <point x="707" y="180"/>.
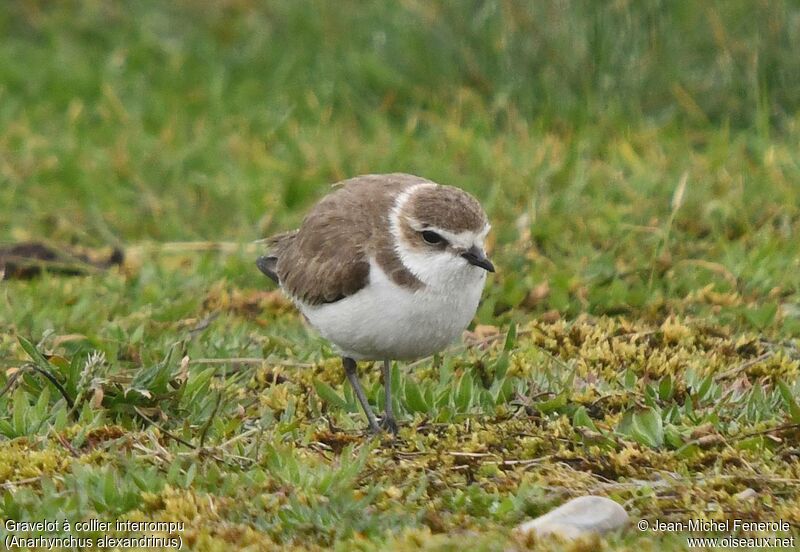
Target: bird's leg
<point x="388" y="422"/>
<point x="350" y="371"/>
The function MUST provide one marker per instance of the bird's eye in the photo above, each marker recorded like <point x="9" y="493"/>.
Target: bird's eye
<point x="432" y="238"/>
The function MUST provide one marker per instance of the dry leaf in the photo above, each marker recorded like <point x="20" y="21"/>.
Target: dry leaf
<point x="97" y="398"/>
<point x="537" y="295"/>
<point x="183" y="374"/>
<point x="480" y="334"/>
<point x="551" y="316"/>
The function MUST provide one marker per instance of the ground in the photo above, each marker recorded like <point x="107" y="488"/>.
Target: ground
<point x="638" y="162"/>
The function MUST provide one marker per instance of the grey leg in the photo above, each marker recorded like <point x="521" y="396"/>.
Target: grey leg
<point x="388" y="421"/>
<point x="350" y="371"/>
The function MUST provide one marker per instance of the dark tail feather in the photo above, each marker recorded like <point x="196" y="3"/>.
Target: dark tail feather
<point x="268" y="266"/>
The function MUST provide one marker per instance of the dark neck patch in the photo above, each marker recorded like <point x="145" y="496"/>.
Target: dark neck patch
<point x="390" y="263"/>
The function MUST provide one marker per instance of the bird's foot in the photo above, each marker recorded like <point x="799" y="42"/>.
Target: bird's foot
<point x="389" y="424"/>
<point x="386" y="425"/>
<point x="374" y="429"/>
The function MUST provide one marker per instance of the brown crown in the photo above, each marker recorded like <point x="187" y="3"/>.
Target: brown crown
<point x="446" y="207"/>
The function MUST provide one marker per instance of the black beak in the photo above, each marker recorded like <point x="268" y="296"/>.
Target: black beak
<point x="476" y="257"/>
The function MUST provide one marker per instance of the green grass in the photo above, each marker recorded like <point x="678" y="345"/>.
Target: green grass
<point x="639" y="164"/>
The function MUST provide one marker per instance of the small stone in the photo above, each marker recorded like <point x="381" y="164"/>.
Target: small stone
<point x="582" y="516"/>
<point x="746" y="494"/>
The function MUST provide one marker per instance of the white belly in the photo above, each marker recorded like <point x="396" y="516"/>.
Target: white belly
<point x="387" y="321"/>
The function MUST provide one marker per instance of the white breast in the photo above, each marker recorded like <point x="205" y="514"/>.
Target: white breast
<point x="387" y="321"/>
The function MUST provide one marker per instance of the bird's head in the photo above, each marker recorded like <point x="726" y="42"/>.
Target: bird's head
<point x="439" y="234"/>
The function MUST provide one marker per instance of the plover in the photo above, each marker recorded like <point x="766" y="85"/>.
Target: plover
<point x="386" y="267"/>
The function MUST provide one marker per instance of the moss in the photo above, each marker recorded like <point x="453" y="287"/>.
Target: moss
<point x="310" y="484"/>
<point x="20" y="459"/>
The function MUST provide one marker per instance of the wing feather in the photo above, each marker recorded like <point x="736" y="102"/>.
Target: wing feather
<point x="328" y="257"/>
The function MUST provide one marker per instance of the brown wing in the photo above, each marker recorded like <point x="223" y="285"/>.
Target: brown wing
<point x="327" y="258"/>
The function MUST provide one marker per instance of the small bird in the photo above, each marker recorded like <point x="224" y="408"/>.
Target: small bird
<point x="386" y="267"/>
